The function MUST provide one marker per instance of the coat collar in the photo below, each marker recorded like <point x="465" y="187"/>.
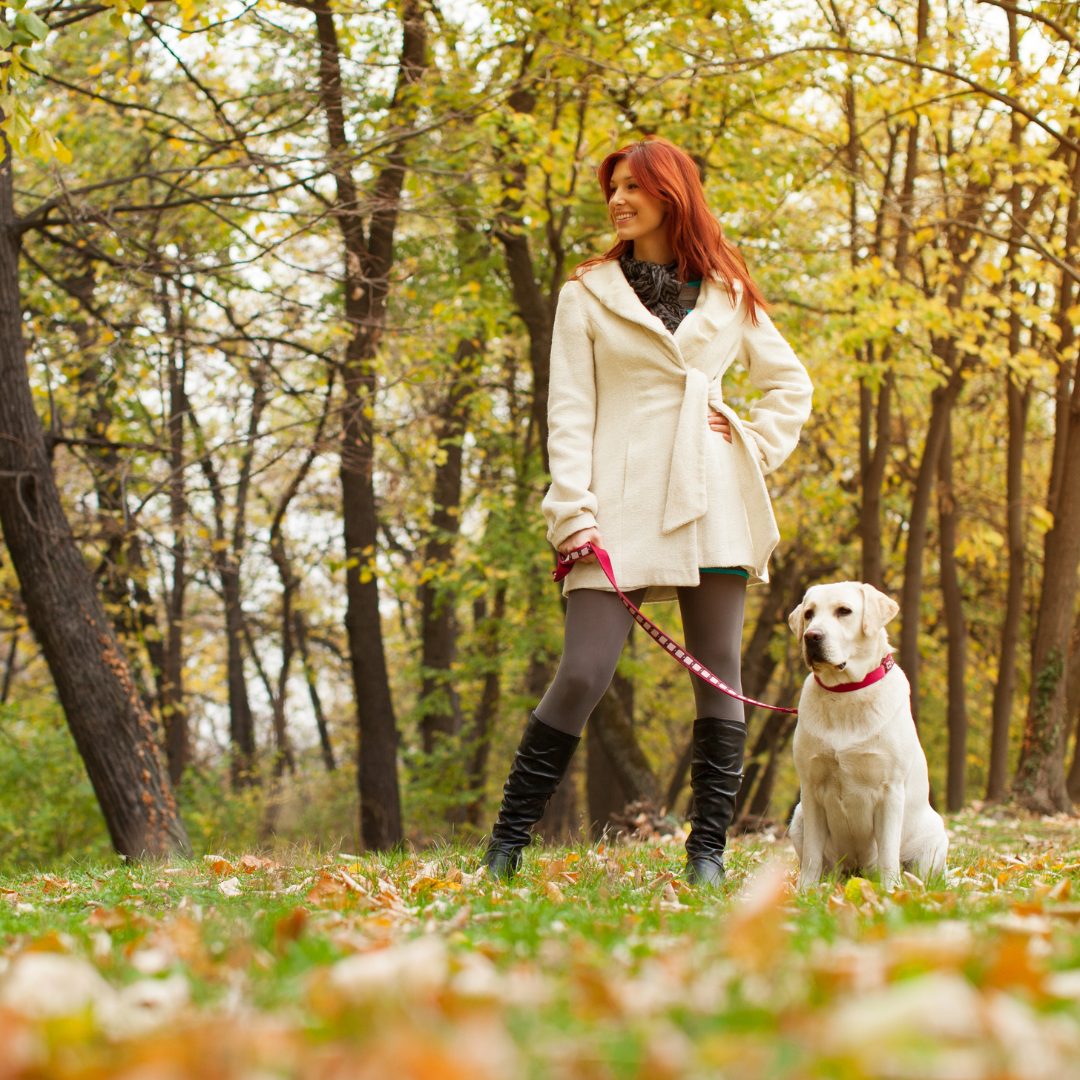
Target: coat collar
<point x="608" y="284"/>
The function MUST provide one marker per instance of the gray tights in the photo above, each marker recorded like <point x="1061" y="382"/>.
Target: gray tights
<point x="596" y="628"/>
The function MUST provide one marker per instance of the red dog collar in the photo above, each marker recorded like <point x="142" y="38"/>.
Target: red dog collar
<point x="876" y="675"/>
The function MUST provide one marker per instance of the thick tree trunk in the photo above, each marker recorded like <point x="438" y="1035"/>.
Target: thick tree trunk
<point x="1040" y="775"/>
<point x="956" y="629"/>
<point x="111" y="727"/>
<point x="367" y="262"/>
<point x="1072" y="703"/>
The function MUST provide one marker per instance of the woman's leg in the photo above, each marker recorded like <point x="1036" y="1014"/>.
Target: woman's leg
<point x="712" y="621"/>
<point x="593" y="637"/>
<point x="712" y="615"/>
<point x="595" y="631"/>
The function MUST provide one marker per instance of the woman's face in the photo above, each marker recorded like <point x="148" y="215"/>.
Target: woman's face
<point x="635" y="214"/>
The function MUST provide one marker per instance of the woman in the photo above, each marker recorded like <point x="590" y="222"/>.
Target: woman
<point x="648" y="462"/>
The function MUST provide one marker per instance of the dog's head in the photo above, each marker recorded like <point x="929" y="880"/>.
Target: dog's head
<point x="841" y="629"/>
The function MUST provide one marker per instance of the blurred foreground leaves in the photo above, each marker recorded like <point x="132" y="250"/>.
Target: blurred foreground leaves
<point x="598" y="962"/>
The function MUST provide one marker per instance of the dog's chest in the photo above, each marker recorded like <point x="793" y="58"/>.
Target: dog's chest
<point x="853" y="771"/>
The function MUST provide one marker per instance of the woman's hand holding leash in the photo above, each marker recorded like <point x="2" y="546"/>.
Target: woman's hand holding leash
<point x="579" y="540"/>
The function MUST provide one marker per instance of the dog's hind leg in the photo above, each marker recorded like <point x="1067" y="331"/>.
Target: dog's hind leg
<point x="931" y="859"/>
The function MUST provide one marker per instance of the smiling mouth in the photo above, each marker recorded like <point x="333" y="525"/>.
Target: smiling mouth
<point x="621" y="219"/>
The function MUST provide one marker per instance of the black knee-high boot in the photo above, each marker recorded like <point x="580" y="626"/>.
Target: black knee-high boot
<point x="541" y="761"/>
<point x="715" y="776"/>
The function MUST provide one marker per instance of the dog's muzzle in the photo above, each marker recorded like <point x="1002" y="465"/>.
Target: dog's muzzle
<point x="814" y="644"/>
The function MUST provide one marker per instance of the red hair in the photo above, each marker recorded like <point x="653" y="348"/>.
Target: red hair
<point x="669" y="174"/>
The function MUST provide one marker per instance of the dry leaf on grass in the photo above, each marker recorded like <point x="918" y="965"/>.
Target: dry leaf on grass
<point x="230" y="887"/>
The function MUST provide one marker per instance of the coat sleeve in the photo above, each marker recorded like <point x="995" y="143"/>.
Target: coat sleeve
<point x="569" y="504"/>
<point x="777" y="417"/>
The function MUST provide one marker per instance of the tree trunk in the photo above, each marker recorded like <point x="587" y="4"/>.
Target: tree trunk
<point x="1040" y="775"/>
<point x="1018" y="401"/>
<point x="955" y="627"/>
<point x="488" y="630"/>
<point x="111" y="727"/>
<point x="1072" y="701"/>
<point x="227" y="557"/>
<point x="942" y="401"/>
<point x="1005" y="687"/>
<point x="122" y="572"/>
<point x="174" y="714"/>
<point x="441" y="703"/>
<point x="9" y="665"/>
<point x="325" y="746"/>
<point x="762" y="800"/>
<point x="367" y="262"/>
<point x="604" y="794"/>
<point x="290" y="585"/>
<point x="612" y="730"/>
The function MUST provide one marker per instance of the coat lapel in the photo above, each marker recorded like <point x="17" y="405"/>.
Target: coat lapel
<point x="713" y="309"/>
<point x="608" y="284"/>
<point x="699" y="329"/>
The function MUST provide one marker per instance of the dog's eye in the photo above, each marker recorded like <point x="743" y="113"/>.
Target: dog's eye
<point x="842" y="611"/>
<point x="808" y="614"/>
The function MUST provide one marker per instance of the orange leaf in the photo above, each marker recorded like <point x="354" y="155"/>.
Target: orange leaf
<point x="289" y="927"/>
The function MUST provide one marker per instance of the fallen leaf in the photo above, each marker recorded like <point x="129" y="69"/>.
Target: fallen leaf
<point x="219" y="865"/>
<point x="230" y="887"/>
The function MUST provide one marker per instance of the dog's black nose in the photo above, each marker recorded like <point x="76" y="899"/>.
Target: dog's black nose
<point x="814" y="642"/>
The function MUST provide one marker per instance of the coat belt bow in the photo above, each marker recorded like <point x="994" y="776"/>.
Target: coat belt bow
<point x="687" y="493"/>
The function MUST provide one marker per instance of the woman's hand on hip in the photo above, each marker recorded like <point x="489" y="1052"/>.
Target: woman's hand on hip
<point x="719" y="422"/>
<point x="580" y="539"/>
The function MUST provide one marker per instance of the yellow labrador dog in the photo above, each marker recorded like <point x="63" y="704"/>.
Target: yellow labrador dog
<point x="865" y="800"/>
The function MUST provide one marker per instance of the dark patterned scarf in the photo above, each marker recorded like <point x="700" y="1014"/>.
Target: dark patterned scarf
<point x="657" y="287"/>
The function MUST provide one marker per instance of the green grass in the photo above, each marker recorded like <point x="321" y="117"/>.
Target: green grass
<point x="596" y="962"/>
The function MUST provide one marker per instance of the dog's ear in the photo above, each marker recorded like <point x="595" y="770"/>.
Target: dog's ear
<point x="795" y="621"/>
<point x="878" y="610"/>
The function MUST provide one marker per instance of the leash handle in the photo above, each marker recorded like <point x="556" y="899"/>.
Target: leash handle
<point x="567" y="563"/>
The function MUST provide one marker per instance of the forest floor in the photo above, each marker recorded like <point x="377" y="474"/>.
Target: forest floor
<point x="597" y="962"/>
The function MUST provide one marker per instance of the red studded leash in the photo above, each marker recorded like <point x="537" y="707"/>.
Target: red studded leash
<point x="695" y="667"/>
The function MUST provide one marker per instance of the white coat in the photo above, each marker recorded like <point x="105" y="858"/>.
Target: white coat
<point x="630" y="449"/>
